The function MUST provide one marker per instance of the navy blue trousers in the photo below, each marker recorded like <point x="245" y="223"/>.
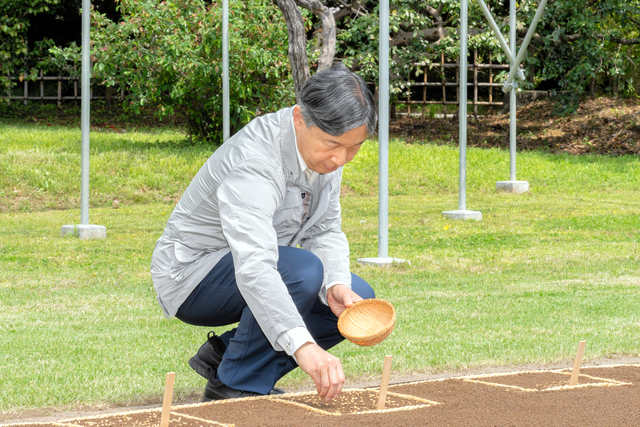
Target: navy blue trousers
<point x="250" y="363"/>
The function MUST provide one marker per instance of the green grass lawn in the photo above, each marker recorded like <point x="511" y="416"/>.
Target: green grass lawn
<point x="79" y="323"/>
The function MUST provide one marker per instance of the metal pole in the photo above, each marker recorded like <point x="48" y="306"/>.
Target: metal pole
<point x="84" y="230"/>
<point x="225" y="70"/>
<point x="512" y="99"/>
<point x="383" y="134"/>
<point x="383" y="259"/>
<point x="462" y="106"/>
<point x="84" y="118"/>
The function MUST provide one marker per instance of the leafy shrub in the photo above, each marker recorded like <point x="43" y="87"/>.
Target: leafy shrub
<point x="169" y="55"/>
<point x="15" y="56"/>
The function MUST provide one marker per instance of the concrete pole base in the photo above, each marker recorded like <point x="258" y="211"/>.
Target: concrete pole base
<point x="382" y="262"/>
<point x="512" y="186"/>
<point x="463" y="214"/>
<point x="85" y="231"/>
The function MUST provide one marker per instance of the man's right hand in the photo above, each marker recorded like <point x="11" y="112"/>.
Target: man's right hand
<point x="325" y="369"/>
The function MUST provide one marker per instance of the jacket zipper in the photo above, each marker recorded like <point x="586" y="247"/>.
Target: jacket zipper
<point x="306" y="216"/>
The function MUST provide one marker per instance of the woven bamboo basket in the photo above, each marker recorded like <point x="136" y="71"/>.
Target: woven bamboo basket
<point x="367" y="322"/>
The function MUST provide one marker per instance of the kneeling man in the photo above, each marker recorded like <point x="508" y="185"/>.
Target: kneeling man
<point x="256" y="239"/>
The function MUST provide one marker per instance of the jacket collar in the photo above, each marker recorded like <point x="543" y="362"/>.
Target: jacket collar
<point x="292" y="171"/>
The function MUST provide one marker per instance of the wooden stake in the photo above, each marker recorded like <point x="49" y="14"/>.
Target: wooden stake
<point x="577" y="363"/>
<point x="166" y="402"/>
<point x="386" y="372"/>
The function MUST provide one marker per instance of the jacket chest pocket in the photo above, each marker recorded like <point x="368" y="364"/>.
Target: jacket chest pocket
<point x="289" y="218"/>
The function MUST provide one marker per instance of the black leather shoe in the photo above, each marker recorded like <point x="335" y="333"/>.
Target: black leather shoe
<point x="216" y="390"/>
<point x="209" y="356"/>
<point x="277" y="390"/>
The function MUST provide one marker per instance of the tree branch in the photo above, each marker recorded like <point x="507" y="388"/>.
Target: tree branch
<point x="403" y="38"/>
<point x="437" y="15"/>
<point x="537" y="38"/>
<point x="348" y="9"/>
<point x="618" y="40"/>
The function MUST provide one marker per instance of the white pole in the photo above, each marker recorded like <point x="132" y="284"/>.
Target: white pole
<point x="515" y="58"/>
<point x="383" y="133"/>
<point x="512" y="100"/>
<point x="383" y="259"/>
<point x="462" y="107"/>
<point x="84" y="108"/>
<point x="462" y="212"/>
<point x="225" y="70"/>
<point x="84" y="230"/>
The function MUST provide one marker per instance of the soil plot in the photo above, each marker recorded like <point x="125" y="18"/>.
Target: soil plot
<point x="604" y="396"/>
<point x="356" y="401"/>
<point x="543" y="381"/>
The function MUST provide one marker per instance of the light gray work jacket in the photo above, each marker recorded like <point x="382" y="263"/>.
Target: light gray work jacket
<point x="247" y="199"/>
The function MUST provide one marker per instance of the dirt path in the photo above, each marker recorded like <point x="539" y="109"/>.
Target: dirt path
<point x="608" y="394"/>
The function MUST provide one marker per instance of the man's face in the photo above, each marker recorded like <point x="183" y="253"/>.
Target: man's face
<point x="324" y="153"/>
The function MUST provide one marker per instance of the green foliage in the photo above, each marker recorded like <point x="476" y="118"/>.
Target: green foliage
<point x="66" y="60"/>
<point x="15" y="56"/>
<point x="358" y="43"/>
<point x="166" y="54"/>
<point x="358" y="40"/>
<point x="576" y="42"/>
<point x="169" y="55"/>
<point x="576" y="46"/>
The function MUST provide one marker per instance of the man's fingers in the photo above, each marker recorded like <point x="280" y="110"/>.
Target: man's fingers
<point x="349" y="297"/>
<point x="338" y="382"/>
<point x="326" y="383"/>
<point x="331" y="380"/>
<point x="325" y="369"/>
<point x="349" y="301"/>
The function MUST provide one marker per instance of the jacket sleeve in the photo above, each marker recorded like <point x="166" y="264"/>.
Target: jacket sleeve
<point x="248" y="198"/>
<point x="327" y="241"/>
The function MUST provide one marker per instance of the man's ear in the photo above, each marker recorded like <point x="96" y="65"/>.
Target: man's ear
<point x="298" y="120"/>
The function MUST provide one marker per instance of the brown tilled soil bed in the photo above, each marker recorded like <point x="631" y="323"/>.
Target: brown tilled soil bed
<point x="605" y="396"/>
<point x="606" y="126"/>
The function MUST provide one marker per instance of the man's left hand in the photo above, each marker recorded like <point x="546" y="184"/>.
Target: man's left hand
<point x="340" y="297"/>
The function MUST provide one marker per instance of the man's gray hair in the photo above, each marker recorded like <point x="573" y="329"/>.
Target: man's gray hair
<point x="337" y="100"/>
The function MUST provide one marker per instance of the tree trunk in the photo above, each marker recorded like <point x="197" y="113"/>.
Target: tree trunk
<point x="298" y="39"/>
<point x="297" y="43"/>
<point x="328" y="49"/>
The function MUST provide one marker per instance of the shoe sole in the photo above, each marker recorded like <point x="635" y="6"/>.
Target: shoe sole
<point x="200" y="367"/>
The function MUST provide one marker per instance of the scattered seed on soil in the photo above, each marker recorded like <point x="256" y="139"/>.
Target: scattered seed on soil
<point x="461" y="403"/>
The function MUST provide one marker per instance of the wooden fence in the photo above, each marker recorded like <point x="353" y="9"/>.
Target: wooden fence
<point x="412" y="94"/>
<point x="41" y="80"/>
<point x="412" y="97"/>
